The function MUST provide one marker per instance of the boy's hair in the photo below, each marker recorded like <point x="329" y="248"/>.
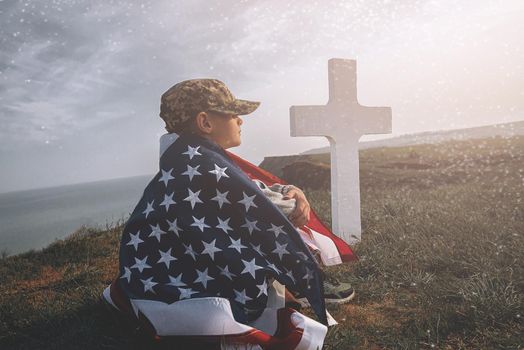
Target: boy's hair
<point x="186" y="127"/>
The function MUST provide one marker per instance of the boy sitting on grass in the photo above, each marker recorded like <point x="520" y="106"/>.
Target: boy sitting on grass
<point x="225" y="129"/>
<point x="207" y="251"/>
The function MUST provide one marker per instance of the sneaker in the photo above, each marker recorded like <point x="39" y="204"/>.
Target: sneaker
<point x="334" y="293"/>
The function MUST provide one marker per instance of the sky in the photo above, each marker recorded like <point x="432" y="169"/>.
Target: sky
<point x="80" y="81"/>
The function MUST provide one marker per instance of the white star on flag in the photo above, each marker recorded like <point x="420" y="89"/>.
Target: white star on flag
<point x="192" y="151"/>
<point x="241" y="297"/>
<point x="248" y="201"/>
<point x="173" y="227"/>
<point x="236" y="244"/>
<point x="203" y="277"/>
<point x="251" y="225"/>
<point x="210" y="249"/>
<point x="166" y="257"/>
<point x="141" y="264"/>
<point x="168" y="200"/>
<point x="250" y="267"/>
<point x="176" y="281"/>
<point x="191" y="172"/>
<point x="200" y="223"/>
<point x="149" y="284"/>
<point x="219" y="172"/>
<point x="149" y="208"/>
<point x="274" y="268"/>
<point x="190" y="251"/>
<point x="186" y="293"/>
<point x="134" y="240"/>
<point x="156" y="231"/>
<point x="262" y="288"/>
<point x="225" y="272"/>
<point x="166" y="176"/>
<point x="289" y="273"/>
<point x="193" y="197"/>
<point x="308" y="276"/>
<point x="276" y="230"/>
<point x="258" y="249"/>
<point x="280" y="249"/>
<point x="221" y="198"/>
<point x="127" y="274"/>
<point x="223" y="225"/>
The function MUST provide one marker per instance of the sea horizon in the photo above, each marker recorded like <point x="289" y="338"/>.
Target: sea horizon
<point x="34" y="218"/>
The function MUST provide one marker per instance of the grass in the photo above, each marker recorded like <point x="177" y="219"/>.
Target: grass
<point x="441" y="260"/>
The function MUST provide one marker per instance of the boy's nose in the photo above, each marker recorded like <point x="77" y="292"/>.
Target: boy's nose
<point x="240" y="121"/>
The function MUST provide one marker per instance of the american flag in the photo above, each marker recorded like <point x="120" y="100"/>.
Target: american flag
<point x="202" y="229"/>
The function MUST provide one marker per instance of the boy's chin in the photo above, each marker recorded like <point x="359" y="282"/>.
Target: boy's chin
<point x="237" y="143"/>
<point x="233" y="144"/>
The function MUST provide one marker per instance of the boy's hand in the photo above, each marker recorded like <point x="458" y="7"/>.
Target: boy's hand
<point x="300" y="216"/>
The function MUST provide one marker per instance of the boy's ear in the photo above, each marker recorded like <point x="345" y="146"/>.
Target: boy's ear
<point x="203" y="122"/>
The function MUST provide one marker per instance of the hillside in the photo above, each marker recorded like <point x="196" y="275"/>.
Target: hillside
<point x="504" y="130"/>
<point x="441" y="262"/>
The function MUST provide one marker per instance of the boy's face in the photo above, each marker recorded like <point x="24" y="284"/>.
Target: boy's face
<point x="225" y="129"/>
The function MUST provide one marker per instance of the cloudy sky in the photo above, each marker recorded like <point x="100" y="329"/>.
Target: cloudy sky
<point x="80" y="81"/>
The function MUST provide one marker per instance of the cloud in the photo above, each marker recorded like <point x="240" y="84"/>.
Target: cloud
<point x="53" y="80"/>
<point x="69" y="66"/>
<point x="75" y="73"/>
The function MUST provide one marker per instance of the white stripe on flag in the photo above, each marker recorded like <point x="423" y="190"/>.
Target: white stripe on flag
<point x="314" y="332"/>
<point x="213" y="316"/>
<point x="192" y="317"/>
<point x="328" y="250"/>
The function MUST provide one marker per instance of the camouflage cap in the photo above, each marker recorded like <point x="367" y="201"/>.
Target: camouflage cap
<point x="189" y="97"/>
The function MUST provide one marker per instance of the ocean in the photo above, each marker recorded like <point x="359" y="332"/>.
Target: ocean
<point x="33" y="219"/>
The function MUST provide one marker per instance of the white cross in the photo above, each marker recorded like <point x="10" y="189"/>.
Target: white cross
<point x="342" y="121"/>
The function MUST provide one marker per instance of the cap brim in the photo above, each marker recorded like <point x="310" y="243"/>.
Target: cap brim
<point x="240" y="107"/>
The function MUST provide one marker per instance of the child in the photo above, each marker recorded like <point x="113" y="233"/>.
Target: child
<point x="224" y="129"/>
<point x="201" y="249"/>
